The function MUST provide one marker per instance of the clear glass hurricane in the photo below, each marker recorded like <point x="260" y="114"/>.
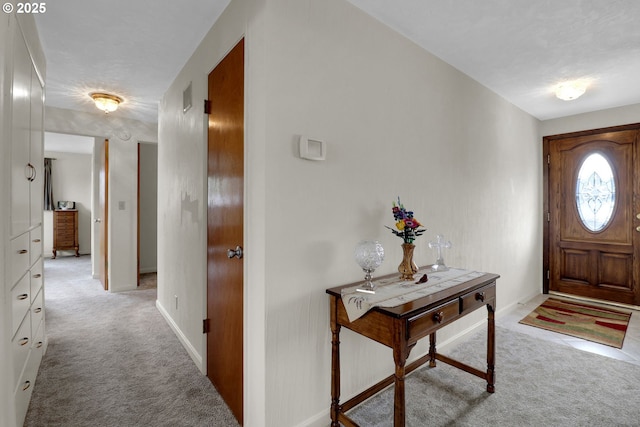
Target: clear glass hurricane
<point x="369" y="255"/>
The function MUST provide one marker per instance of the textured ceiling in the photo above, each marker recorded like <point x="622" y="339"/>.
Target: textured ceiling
<point x="519" y="49"/>
<point x="133" y="49"/>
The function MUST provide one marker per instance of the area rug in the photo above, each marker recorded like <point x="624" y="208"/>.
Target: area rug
<point x="581" y="320"/>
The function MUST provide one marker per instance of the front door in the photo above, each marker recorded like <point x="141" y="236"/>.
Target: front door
<point x="225" y="229"/>
<point x="594" y="215"/>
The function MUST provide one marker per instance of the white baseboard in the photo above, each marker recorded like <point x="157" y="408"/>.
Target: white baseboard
<point x="195" y="356"/>
<point x="323" y="419"/>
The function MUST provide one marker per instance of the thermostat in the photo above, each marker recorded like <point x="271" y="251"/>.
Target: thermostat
<point x="312" y="149"/>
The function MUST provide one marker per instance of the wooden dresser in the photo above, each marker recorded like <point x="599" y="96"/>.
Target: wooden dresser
<point x="65" y="231"/>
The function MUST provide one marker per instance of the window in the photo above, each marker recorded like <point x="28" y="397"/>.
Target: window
<point x="595" y="192"/>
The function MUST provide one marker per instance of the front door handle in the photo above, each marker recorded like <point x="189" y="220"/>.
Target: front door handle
<point x="237" y="252"/>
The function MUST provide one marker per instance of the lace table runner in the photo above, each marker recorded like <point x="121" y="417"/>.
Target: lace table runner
<point x="393" y="291"/>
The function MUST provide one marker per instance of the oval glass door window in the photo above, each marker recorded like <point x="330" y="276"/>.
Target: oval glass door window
<point x="595" y="192"/>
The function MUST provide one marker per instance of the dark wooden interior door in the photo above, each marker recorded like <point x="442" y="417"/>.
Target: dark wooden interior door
<point x="225" y="229"/>
<point x="103" y="216"/>
<point x="594" y="216"/>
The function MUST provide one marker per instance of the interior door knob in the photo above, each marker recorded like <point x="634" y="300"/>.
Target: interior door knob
<point x="97" y="220"/>
<point x="237" y="252"/>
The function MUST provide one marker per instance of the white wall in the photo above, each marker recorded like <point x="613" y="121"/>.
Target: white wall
<point x="598" y="119"/>
<point x="123" y="135"/>
<point x="182" y="197"/>
<point x="71" y="178"/>
<point x="398" y="122"/>
<point x="148" y="208"/>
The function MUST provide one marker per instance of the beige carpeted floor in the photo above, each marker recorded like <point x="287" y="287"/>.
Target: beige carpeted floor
<point x="538" y="383"/>
<point x="112" y="360"/>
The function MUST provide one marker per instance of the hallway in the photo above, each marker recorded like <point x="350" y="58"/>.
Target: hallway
<point x="113" y="361"/>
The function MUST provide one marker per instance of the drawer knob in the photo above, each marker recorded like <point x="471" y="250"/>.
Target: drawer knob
<point x="23" y="297"/>
<point x="38" y="310"/>
<point x="438" y="317"/>
<point x="37" y="276"/>
<point x="26" y="385"/>
<point x="24" y="341"/>
<point x="480" y="296"/>
<point x="39" y="344"/>
<point x="36" y="240"/>
<point x="23" y="251"/>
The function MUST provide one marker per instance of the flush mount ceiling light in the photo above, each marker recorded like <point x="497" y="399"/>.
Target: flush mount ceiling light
<point x="568" y="91"/>
<point x="105" y="102"/>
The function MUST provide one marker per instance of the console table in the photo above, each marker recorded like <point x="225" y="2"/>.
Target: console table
<point x="401" y="327"/>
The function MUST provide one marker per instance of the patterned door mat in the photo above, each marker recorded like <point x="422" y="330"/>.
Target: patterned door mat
<point x="581" y="320"/>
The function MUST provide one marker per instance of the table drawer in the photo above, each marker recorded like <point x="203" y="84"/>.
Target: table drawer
<point x="427" y="322"/>
<point x="477" y="298"/>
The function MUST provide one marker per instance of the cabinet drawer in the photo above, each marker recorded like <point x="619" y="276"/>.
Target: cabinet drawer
<point x="20" y="302"/>
<point x="19" y="257"/>
<point x="64" y="221"/>
<point x="36" y="278"/>
<point x="38" y="340"/>
<point x="425" y="323"/>
<point x="35" y="244"/>
<point x="23" y="395"/>
<point x="20" y="346"/>
<point x="37" y="311"/>
<point x="477" y="298"/>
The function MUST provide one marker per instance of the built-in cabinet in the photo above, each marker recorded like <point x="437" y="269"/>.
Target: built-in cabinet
<point x="24" y="290"/>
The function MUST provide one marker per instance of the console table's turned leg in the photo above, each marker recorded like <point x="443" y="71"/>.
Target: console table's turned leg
<point x="491" y="349"/>
<point x="400" y="355"/>
<point x="432" y="350"/>
<point x="335" y="364"/>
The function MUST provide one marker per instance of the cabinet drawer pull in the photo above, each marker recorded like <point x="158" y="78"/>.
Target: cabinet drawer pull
<point x="24" y="341"/>
<point x="23" y="251"/>
<point x="22" y="297"/>
<point x="36" y="240"/>
<point x="37" y="276"/>
<point x="39" y="344"/>
<point x="26" y="385"/>
<point x="37" y="310"/>
<point x="438" y="317"/>
<point x="480" y="296"/>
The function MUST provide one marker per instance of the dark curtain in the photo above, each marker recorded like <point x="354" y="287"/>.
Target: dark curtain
<point x="48" y="186"/>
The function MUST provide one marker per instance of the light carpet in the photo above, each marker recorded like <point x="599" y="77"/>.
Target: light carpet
<point x="538" y="383"/>
<point x="112" y="360"/>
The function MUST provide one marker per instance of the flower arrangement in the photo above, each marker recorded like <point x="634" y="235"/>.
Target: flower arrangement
<point x="407" y="226"/>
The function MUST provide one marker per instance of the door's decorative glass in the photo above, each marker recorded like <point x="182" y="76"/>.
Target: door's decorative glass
<point x="595" y="192"/>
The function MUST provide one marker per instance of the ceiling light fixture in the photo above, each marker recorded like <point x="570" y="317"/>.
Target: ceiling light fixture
<point x="568" y="91"/>
<point x="105" y="102"/>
